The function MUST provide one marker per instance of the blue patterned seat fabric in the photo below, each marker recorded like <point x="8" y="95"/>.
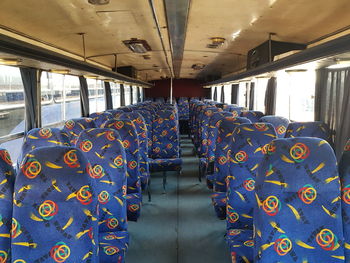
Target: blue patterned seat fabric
<point x="344" y="173"/>
<point x="247" y="149"/>
<point x="40" y="137"/>
<point x="221" y="163"/>
<point x="101" y="117"/>
<point x="308" y="129"/>
<point x="142" y="135"/>
<point x="297" y="217"/>
<point x="128" y="134"/>
<point x="55" y="208"/>
<point x="241" y="243"/>
<point x="183" y="109"/>
<point x="148" y="117"/>
<point x="104" y="149"/>
<point x="115" y="113"/>
<point x="73" y="127"/>
<point x="280" y="124"/>
<point x="7" y="180"/>
<point x="253" y="116"/>
<point x="166" y="143"/>
<point x="204" y="119"/>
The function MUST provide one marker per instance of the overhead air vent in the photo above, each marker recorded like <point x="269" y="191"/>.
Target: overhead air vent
<point x="98" y="2"/>
<point x="216" y="42"/>
<point x="146" y="57"/>
<point x="198" y="66"/>
<point x="137" y="45"/>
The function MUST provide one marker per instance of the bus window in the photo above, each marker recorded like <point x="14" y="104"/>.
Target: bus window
<point x="12" y="109"/>
<point x="212" y="89"/>
<point x="141" y="94"/>
<point x="218" y="93"/>
<point x="115" y="89"/>
<point x="228" y="92"/>
<point x="60" y="98"/>
<point x="259" y="94"/>
<point x="134" y="94"/>
<point x="127" y="95"/>
<point x="296" y="95"/>
<point x="242" y="89"/>
<point x="96" y="95"/>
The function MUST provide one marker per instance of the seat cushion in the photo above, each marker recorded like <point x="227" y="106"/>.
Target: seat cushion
<point x="241" y="245"/>
<point x="171" y="164"/>
<point x="219" y="203"/>
<point x="113" y="246"/>
<point x="133" y="202"/>
<point x="210" y="180"/>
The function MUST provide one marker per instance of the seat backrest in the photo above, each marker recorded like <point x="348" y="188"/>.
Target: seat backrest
<point x="203" y="129"/>
<point x="280" y="124"/>
<point x="128" y="135"/>
<point x="166" y="141"/>
<point x="55" y="208"/>
<point x="101" y="117"/>
<point x="147" y="116"/>
<point x="316" y="129"/>
<point x="297" y="216"/>
<point x="7" y="180"/>
<point x="42" y="137"/>
<point x="246" y="151"/>
<point x="221" y="162"/>
<point x="253" y="116"/>
<point x="344" y="173"/>
<point x="73" y="127"/>
<point x="104" y="149"/>
<point x="115" y="113"/>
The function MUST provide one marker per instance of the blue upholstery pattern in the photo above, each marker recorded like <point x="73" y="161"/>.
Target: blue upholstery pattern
<point x="55" y="208"/>
<point x="253" y="116"/>
<point x="297" y="217"/>
<point x="104" y="149"/>
<point x="7" y="180"/>
<point x="280" y="124"/>
<point x="308" y="129"/>
<point x="128" y="134"/>
<point x="73" y="128"/>
<point x="40" y="137"/>
<point x="113" y="246"/>
<point x="246" y="152"/>
<point x="146" y="114"/>
<point x="241" y="245"/>
<point x="183" y="108"/>
<point x="203" y="129"/>
<point x="101" y="117"/>
<point x="344" y="173"/>
<point x="166" y="142"/>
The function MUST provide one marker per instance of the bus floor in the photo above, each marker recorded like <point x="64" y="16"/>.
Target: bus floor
<point x="179" y="226"/>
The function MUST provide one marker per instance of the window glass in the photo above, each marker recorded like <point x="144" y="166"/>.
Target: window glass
<point x="134" y="94"/>
<point x="218" y="93"/>
<point x="242" y="89"/>
<point x="141" y="94"/>
<point x="60" y="98"/>
<point x="296" y="95"/>
<point x="115" y="88"/>
<point x="212" y="92"/>
<point x="259" y="94"/>
<point x="127" y="95"/>
<point x="228" y="91"/>
<point x="96" y="95"/>
<point x="12" y="111"/>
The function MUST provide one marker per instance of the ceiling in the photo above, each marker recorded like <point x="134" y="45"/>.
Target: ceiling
<point x="244" y="25"/>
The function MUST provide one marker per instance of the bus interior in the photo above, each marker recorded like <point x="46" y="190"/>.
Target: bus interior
<point x="162" y="131"/>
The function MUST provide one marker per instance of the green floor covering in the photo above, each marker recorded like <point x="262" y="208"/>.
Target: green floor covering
<point x="179" y="226"/>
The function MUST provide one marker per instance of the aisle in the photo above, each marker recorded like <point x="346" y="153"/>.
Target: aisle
<point x="179" y="226"/>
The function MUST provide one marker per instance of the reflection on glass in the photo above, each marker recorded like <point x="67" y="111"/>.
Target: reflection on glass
<point x="96" y="95"/>
<point x="228" y="92"/>
<point x="115" y="88"/>
<point x="259" y="94"/>
<point x="127" y="95"/>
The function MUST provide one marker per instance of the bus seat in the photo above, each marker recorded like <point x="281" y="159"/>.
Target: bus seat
<point x="344" y="173"/>
<point x="298" y="212"/>
<point x="147" y="116"/>
<point x="280" y="124"/>
<point x="308" y="129"/>
<point x="55" y="208"/>
<point x="73" y="127"/>
<point x="101" y="117"/>
<point x="7" y="179"/>
<point x="221" y="163"/>
<point x="253" y="116"/>
<point x="128" y="135"/>
<point x="247" y="150"/>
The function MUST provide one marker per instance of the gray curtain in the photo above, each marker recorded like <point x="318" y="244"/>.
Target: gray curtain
<point x="247" y="92"/>
<point x="108" y="96"/>
<point x="251" y="96"/>
<point x="143" y="94"/>
<point x="30" y="79"/>
<point x="234" y="94"/>
<point x="270" y="97"/>
<point x="222" y="99"/>
<point x="138" y="94"/>
<point x="332" y="104"/>
<point x="215" y="95"/>
<point x="122" y="95"/>
<point x="131" y="95"/>
<point x="84" y="97"/>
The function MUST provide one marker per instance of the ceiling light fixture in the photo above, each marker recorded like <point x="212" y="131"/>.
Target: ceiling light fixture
<point x="137" y="45"/>
<point x="90" y="76"/>
<point x="10" y="61"/>
<point x="340" y="64"/>
<point x="98" y="2"/>
<point x="60" y="71"/>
